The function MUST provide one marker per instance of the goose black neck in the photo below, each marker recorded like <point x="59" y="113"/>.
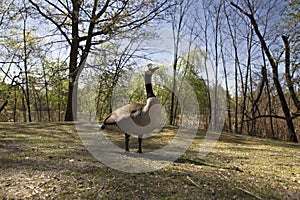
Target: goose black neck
<point x="148" y="85"/>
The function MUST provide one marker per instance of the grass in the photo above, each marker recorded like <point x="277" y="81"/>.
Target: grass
<point x="49" y="161"/>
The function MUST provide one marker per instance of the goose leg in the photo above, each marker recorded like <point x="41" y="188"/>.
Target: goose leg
<point x="140" y="143"/>
<point x="127" y="142"/>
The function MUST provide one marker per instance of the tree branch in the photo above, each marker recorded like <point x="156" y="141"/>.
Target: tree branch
<point x="102" y="11"/>
<point x="287" y="73"/>
<point x="58" y="8"/>
<point x="264" y="116"/>
<point x="48" y="17"/>
<point x="240" y="9"/>
<point x="274" y="65"/>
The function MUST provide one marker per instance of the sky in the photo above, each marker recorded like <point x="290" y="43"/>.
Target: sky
<point x="164" y="43"/>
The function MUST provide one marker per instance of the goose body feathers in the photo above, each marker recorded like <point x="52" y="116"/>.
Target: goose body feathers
<point x="135" y="118"/>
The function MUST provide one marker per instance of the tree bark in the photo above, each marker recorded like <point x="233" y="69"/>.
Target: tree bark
<point x="15" y="104"/>
<point x="177" y="29"/>
<point x="236" y="66"/>
<point x="71" y="112"/>
<point x="245" y="88"/>
<point x="226" y="85"/>
<point x="287" y="72"/>
<point x="27" y="94"/>
<point x="274" y="65"/>
<point x="123" y="16"/>
<point x="3" y="105"/>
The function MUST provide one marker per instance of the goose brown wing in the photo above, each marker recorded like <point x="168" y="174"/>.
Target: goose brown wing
<point x="140" y="117"/>
<point x="110" y="119"/>
<point x="129" y="110"/>
<point x="135" y="109"/>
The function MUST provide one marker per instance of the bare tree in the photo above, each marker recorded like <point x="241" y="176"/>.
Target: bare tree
<point x="288" y="73"/>
<point x="117" y="58"/>
<point x="179" y="21"/>
<point x="202" y="33"/>
<point x="25" y="61"/>
<point x="84" y="24"/>
<point x="274" y="64"/>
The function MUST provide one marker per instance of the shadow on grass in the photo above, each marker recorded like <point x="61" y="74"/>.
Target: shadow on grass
<point x="185" y="160"/>
<point x="64" y="169"/>
<point x="149" y="144"/>
<point x="243" y="139"/>
<point x="44" y="147"/>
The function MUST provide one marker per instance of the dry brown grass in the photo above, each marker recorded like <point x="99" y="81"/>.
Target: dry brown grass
<point x="48" y="161"/>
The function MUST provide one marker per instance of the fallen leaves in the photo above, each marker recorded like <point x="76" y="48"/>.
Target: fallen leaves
<point x="50" y="162"/>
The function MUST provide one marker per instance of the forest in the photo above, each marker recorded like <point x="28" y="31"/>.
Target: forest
<point x="219" y="79"/>
<point x="247" y="50"/>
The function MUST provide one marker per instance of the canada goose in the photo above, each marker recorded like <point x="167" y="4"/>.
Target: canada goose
<point x="136" y="118"/>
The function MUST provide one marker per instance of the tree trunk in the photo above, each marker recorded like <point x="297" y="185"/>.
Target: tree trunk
<point x="270" y="109"/>
<point x="15" y="104"/>
<point x="71" y="112"/>
<point x="27" y="95"/>
<point x="274" y="65"/>
<point x="46" y="94"/>
<point x="265" y="76"/>
<point x="36" y="114"/>
<point x="176" y="49"/>
<point x="287" y="73"/>
<point x="206" y="59"/>
<point x="24" y="107"/>
<point x="177" y="27"/>
<point x="226" y="85"/>
<point x="244" y="87"/>
<point x="59" y="102"/>
<point x="3" y="105"/>
<point x="236" y="63"/>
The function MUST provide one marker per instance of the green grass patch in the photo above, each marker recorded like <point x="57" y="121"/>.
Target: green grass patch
<point x="49" y="161"/>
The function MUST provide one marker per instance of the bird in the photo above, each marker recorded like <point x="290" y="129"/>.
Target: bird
<point x="137" y="118"/>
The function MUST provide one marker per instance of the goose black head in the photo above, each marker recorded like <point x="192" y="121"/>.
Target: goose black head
<point x="150" y="69"/>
